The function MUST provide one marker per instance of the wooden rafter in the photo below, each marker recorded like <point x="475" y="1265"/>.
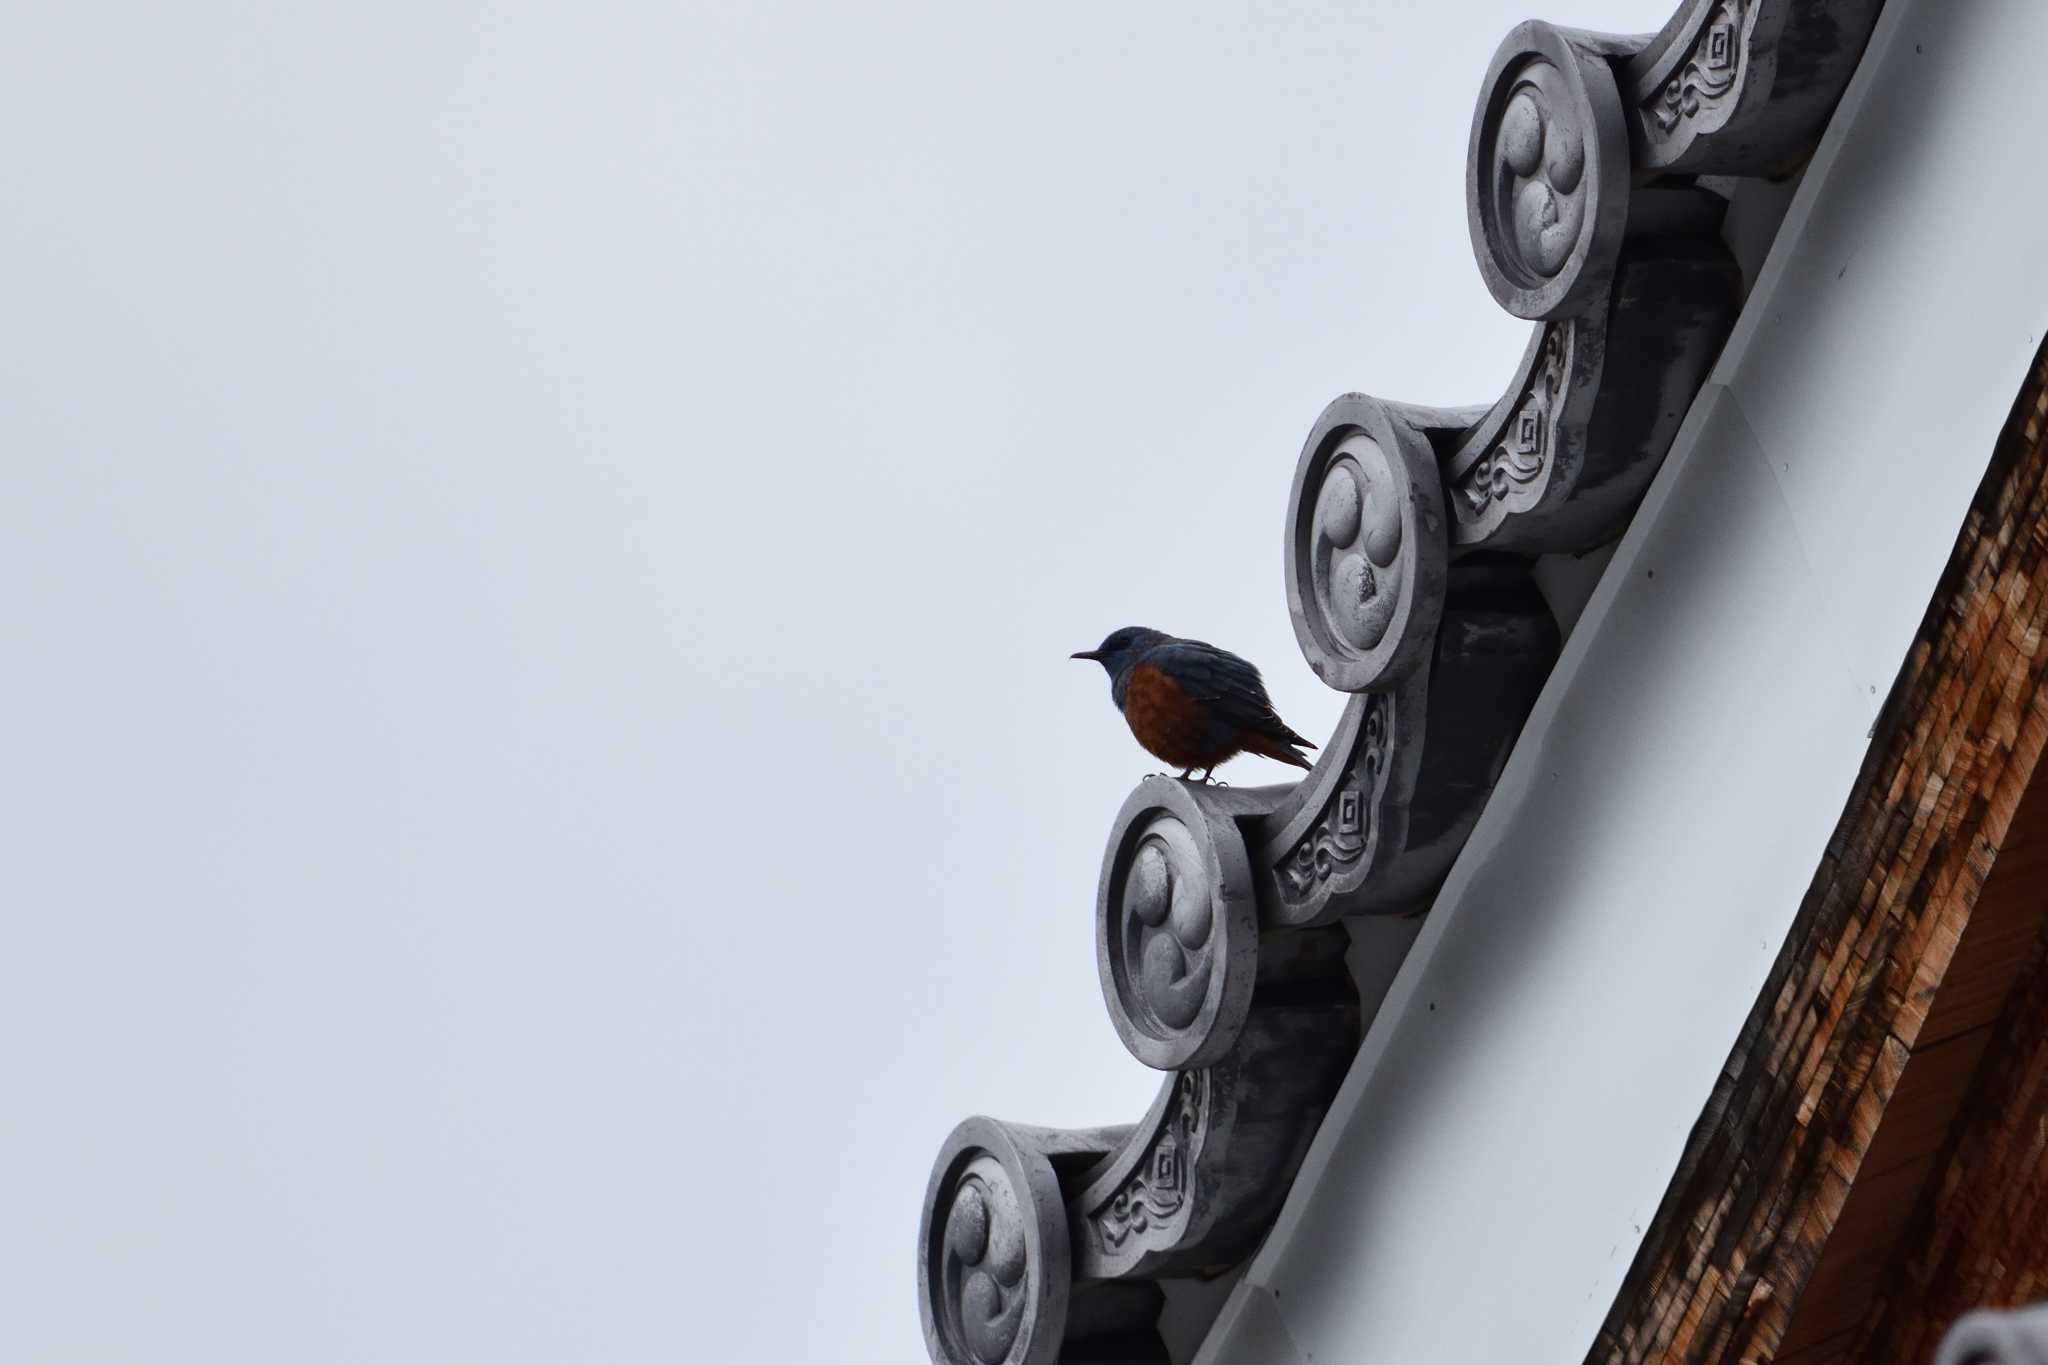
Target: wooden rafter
<point x="1980" y="1235"/>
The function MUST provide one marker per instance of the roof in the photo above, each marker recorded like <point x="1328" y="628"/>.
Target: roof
<point x="1601" y="172"/>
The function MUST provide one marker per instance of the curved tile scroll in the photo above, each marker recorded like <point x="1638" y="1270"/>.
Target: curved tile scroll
<point x="1176" y="921"/>
<point x="1366" y="541"/>
<point x="1203" y="1174"/>
<point x="1374" y="827"/>
<point x="1349" y="817"/>
<point x="1560" y="463"/>
<point x="1521" y="459"/>
<point x="1145" y="1200"/>
<point x="1547" y="172"/>
<point x="1742" y="87"/>
<point x="994" y="1262"/>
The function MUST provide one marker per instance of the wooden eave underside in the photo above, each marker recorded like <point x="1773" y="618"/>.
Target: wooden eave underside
<point x="1818" y="1150"/>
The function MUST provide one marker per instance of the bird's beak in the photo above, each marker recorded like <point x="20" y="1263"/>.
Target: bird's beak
<point x="1094" y="655"/>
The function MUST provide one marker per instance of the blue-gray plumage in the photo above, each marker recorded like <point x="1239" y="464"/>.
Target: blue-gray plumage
<point x="1190" y="703"/>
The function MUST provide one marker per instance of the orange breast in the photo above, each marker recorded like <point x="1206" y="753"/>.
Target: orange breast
<point x="1171" y="724"/>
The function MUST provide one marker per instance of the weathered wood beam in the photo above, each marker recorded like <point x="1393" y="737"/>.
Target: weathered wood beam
<point x="1940" y="1092"/>
<point x="1980" y="1235"/>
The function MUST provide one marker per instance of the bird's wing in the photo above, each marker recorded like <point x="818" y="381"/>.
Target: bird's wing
<point x="1225" y="682"/>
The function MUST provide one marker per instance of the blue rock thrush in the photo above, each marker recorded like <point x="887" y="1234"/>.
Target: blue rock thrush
<point x="1192" y="704"/>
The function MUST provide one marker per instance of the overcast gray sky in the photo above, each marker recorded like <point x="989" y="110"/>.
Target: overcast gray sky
<point x="537" y="558"/>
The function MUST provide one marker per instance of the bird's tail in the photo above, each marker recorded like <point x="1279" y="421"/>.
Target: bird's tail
<point x="1273" y="746"/>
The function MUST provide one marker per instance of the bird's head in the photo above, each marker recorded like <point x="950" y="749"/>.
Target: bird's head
<point x="1122" y="647"/>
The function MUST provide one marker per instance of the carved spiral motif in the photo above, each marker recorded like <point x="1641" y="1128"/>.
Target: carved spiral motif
<point x="1540" y="166"/>
<point x="1176" y="924"/>
<point x="1167" y="921"/>
<point x="1366" y="559"/>
<point x="994" y="1266"/>
<point x="1547" y="175"/>
<point x="1359" y="574"/>
<point x="983" y="1300"/>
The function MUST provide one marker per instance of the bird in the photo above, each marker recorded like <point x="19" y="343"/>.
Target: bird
<point x="1191" y="704"/>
